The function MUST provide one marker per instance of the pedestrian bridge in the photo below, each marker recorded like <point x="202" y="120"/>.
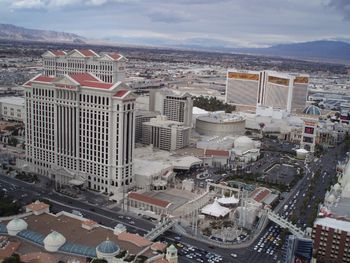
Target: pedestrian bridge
<point x="285" y="224"/>
<point x="160" y="229"/>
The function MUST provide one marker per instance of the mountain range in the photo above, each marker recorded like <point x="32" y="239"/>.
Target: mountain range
<point x="321" y="50"/>
<point x="16" y="33"/>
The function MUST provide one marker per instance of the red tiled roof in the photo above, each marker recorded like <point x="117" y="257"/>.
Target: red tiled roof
<point x="89" y="222"/>
<point x="220" y="153"/>
<point x="158" y="246"/>
<point x="39" y="78"/>
<point x="115" y="56"/>
<point x="134" y="238"/>
<point x="260" y="194"/>
<point x="58" y="53"/>
<point x="87" y="52"/>
<point x="89" y="80"/>
<point x="148" y="199"/>
<point x="43" y="78"/>
<point x="121" y="93"/>
<point x="39" y="257"/>
<point x="83" y="77"/>
<point x="37" y="206"/>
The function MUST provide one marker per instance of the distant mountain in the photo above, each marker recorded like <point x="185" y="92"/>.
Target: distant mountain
<point x="12" y="32"/>
<point x="322" y="50"/>
<point x="316" y="50"/>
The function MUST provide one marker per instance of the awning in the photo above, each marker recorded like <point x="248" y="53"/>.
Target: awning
<point x="76" y="182"/>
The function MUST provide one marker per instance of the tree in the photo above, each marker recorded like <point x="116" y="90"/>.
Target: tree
<point x="212" y="104"/>
<point x="15" y="258"/>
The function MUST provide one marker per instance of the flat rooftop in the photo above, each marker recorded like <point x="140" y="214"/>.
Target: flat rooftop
<point x="333" y="223"/>
<point x="19" y="101"/>
<point x="221" y="118"/>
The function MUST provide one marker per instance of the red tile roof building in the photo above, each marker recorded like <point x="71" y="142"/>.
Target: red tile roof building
<point x="260" y="194"/>
<point x="78" y="132"/>
<point x="153" y="206"/>
<point x="109" y="67"/>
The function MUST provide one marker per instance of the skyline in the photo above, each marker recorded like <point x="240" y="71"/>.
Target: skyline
<point x="224" y="23"/>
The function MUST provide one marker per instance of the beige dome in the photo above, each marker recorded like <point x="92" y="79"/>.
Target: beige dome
<point x="15" y="226"/>
<point x="244" y="143"/>
<point x="331" y="198"/>
<point x="54" y="241"/>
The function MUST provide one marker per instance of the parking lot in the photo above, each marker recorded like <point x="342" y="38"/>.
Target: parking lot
<point x="281" y="173"/>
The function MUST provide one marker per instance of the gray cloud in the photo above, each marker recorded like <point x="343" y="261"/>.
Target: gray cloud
<point x="343" y="6"/>
<point x="169" y="16"/>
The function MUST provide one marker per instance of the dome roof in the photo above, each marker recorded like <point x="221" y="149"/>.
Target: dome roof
<point x="108" y="247"/>
<point x="54" y="239"/>
<point x="331" y="198"/>
<point x="17" y="224"/>
<point x="312" y="110"/>
<point x="337" y="186"/>
<point x="244" y="143"/>
<point x="171" y="248"/>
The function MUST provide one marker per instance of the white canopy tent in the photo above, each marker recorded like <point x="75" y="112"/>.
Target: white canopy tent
<point x="232" y="200"/>
<point x="215" y="210"/>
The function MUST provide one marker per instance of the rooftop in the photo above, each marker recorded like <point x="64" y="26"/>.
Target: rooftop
<point x="89" y="80"/>
<point x="333" y="223"/>
<point x="216" y="153"/>
<point x="162" y="121"/>
<point x="19" y="101"/>
<point x="83" y="79"/>
<point x="221" y="117"/>
<point x="259" y="194"/>
<point x="72" y="230"/>
<point x="37" y="206"/>
<point x="135" y="239"/>
<point x="148" y="199"/>
<point x="149" y="168"/>
<point x="83" y="52"/>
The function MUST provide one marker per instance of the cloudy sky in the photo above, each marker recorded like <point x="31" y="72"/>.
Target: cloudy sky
<point x="234" y="23"/>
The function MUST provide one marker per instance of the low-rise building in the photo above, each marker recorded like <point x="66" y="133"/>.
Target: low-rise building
<point x="147" y="205"/>
<point x="12" y="108"/>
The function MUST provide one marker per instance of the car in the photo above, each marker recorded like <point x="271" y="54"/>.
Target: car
<point x="233" y="255"/>
<point x="77" y="213"/>
<point x="128" y="218"/>
<point x="177" y="238"/>
<point x="121" y="217"/>
<point x="131" y="222"/>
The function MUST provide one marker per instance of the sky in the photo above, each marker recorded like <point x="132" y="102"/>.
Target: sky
<point x="225" y="23"/>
